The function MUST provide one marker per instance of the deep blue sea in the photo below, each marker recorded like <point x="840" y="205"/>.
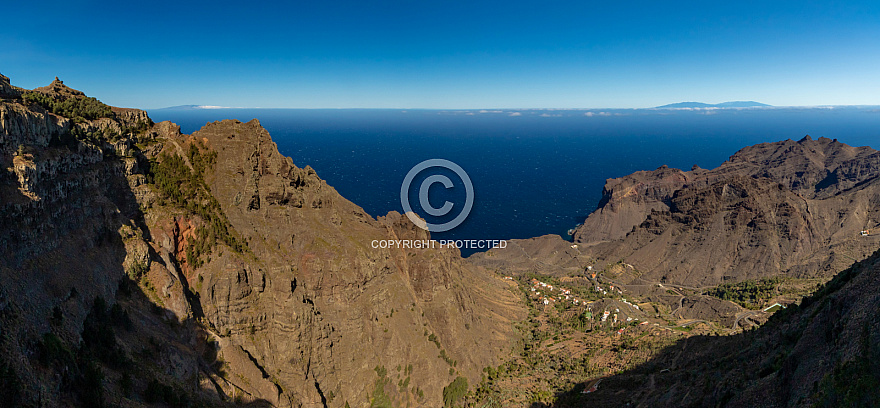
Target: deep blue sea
<point x="534" y="172"/>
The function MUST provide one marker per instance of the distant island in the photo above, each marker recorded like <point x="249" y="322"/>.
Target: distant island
<point x="193" y="107"/>
<point x="734" y="104"/>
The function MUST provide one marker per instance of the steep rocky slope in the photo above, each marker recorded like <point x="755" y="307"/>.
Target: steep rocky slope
<point x="318" y="307"/>
<point x="142" y="265"/>
<point x="69" y="230"/>
<point x="791" y="208"/>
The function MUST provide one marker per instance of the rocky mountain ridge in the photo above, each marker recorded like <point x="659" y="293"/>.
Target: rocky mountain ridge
<point x="232" y="275"/>
<point x="786" y="208"/>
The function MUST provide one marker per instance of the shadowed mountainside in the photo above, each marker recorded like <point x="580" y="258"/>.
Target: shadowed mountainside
<point x="821" y="353"/>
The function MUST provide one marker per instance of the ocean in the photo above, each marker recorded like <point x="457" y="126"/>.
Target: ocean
<point x="534" y="172"/>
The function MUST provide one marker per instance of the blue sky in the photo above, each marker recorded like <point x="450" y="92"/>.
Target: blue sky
<point x="441" y="54"/>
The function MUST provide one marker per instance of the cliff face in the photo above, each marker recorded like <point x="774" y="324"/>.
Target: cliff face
<point x="232" y="274"/>
<point x="7" y="90"/>
<point x="626" y="201"/>
<point x="318" y="307"/>
<point x="794" y="208"/>
<point x="68" y="233"/>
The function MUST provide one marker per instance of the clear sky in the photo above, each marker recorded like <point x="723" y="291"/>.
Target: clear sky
<point x="448" y="54"/>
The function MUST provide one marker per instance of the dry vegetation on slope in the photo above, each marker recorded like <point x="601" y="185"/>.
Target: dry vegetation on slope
<point x="821" y="353"/>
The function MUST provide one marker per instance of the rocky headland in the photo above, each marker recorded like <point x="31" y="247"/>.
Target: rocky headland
<point x="790" y="208"/>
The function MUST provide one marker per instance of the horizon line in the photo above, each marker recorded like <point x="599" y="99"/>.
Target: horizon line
<point x="498" y="109"/>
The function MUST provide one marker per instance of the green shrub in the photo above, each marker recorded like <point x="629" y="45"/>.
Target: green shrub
<point x="187" y="189"/>
<point x="99" y="335"/>
<point x="51" y="350"/>
<point x="157" y="392"/>
<point x="90" y="386"/>
<point x="433" y="338"/>
<point x="749" y="294"/>
<point x="136" y="270"/>
<point x="454" y="391"/>
<point x="447" y="359"/>
<point x="78" y="109"/>
<point x="11" y="389"/>
<point x="379" y="399"/>
<point x="381" y="371"/>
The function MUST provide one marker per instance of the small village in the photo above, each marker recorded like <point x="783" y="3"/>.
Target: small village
<point x="547" y="294"/>
<point x="598" y="320"/>
<point x="586" y="321"/>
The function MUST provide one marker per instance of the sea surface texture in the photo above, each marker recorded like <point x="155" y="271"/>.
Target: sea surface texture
<point x="534" y="172"/>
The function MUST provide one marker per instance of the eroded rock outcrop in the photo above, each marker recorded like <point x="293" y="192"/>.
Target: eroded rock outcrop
<point x="7" y="90"/>
<point x="793" y="208"/>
